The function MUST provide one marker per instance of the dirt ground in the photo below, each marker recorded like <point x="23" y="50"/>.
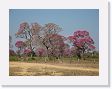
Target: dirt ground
<point x="51" y="69"/>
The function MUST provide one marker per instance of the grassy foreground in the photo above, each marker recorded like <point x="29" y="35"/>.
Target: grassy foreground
<point x="81" y="68"/>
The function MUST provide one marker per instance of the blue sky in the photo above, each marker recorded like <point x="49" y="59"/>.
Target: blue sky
<point x="69" y="19"/>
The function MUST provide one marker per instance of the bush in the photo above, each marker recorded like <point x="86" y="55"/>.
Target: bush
<point x="13" y="58"/>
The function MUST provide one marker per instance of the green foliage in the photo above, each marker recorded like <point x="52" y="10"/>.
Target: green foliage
<point x="89" y="55"/>
<point x="54" y="59"/>
<point x="13" y="58"/>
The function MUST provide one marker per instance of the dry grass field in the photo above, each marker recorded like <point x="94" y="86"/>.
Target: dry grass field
<point x="82" y="68"/>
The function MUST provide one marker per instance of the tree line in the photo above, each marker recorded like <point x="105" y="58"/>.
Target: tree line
<point x="46" y="41"/>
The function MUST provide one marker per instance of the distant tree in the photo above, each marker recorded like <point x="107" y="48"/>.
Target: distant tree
<point x="11" y="52"/>
<point x="73" y="51"/>
<point x="82" y="41"/>
<point x="67" y="52"/>
<point x="10" y="42"/>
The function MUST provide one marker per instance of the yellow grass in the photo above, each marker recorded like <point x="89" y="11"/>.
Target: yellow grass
<point x="83" y="68"/>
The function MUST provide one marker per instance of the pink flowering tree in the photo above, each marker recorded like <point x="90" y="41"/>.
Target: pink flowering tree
<point x="45" y="38"/>
<point x="28" y="33"/>
<point x="41" y="52"/>
<point x="20" y="45"/>
<point x="57" y="45"/>
<point x="27" y="52"/>
<point x="67" y="52"/>
<point x="11" y="52"/>
<point x="73" y="51"/>
<point x="82" y="41"/>
<point x="36" y="35"/>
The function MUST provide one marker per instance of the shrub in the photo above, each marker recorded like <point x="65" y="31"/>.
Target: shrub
<point x="13" y="58"/>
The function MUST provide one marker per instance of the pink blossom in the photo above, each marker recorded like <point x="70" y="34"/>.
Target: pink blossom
<point x="20" y="44"/>
<point x="91" y="47"/>
<point x="57" y="40"/>
<point x="82" y="38"/>
<point x="23" y="26"/>
<point x="40" y="52"/>
<point x="11" y="52"/>
<point x="86" y="33"/>
<point x="27" y="51"/>
<point x="67" y="52"/>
